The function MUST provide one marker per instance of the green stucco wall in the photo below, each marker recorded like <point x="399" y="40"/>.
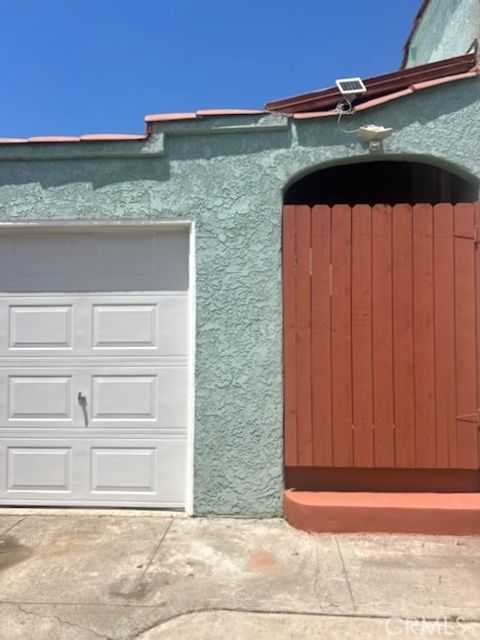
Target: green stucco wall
<point x="228" y="174"/>
<point x="447" y="29"/>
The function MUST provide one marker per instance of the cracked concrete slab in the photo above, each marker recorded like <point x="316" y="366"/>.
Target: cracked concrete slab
<point x="260" y="626"/>
<point x="414" y="575"/>
<point x="96" y="575"/>
<point x="82" y="559"/>
<point x="205" y="563"/>
<point x="110" y="622"/>
<point x="7" y="522"/>
<point x="19" y="624"/>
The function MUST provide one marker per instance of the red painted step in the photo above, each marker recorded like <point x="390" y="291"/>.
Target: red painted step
<point x="357" y="512"/>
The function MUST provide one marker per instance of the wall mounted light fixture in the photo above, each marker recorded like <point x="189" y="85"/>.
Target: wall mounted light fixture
<point x="374" y="135"/>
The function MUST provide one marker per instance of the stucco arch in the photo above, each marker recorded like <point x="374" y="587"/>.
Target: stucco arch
<point x="462" y="185"/>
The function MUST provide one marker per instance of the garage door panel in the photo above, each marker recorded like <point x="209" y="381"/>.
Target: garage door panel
<point x="27" y="261"/>
<point x="40" y="397"/>
<point x="125" y="325"/>
<point x="39" y="469"/>
<point x="110" y="397"/>
<point x="124" y="397"/>
<point x="94" y="262"/>
<point x="135" y="397"/>
<point x="152" y="327"/>
<point x="40" y="327"/>
<point x="36" y="326"/>
<point x="33" y="397"/>
<point x="98" y="326"/>
<point x="97" y="472"/>
<point x="115" y="469"/>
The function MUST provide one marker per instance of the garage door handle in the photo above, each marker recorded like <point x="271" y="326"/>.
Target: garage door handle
<point x="82" y="401"/>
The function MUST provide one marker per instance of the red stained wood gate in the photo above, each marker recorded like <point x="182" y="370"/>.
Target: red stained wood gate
<point x="381" y="317"/>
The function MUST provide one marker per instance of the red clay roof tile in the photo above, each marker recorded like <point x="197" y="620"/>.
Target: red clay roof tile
<point x="317" y="104"/>
<point x="105" y="137"/>
<point x="13" y="140"/>
<point x="383" y="99"/>
<point x="53" y="139"/>
<point x="383" y="88"/>
<point x="166" y="117"/>
<point x="228" y="112"/>
<point x="433" y="83"/>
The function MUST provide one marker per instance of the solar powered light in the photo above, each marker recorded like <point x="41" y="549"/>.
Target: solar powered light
<point x="374" y="135"/>
<point x="351" y="87"/>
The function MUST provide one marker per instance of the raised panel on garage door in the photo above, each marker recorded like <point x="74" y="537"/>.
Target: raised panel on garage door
<point x="37" y="398"/>
<point x="146" y="397"/>
<point x="144" y="326"/>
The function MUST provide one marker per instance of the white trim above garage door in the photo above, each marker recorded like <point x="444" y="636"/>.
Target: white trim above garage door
<point x="96" y="364"/>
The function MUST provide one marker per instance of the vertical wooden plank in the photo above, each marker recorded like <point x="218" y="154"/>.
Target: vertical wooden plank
<point x="444" y="301"/>
<point x="465" y="335"/>
<point x="321" y="337"/>
<point x="476" y="207"/>
<point x="404" y="389"/>
<point x="289" y="336"/>
<point x="303" y="343"/>
<point x="341" y="337"/>
<point x="362" y="336"/>
<point x="424" y="347"/>
<point x="384" y="442"/>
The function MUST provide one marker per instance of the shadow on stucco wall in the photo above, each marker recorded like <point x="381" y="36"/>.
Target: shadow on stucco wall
<point x="98" y="172"/>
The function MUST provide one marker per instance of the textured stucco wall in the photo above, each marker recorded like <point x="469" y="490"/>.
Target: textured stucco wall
<point x="447" y="29"/>
<point x="228" y="175"/>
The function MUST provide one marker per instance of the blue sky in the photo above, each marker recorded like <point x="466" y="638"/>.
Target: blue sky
<point x="87" y="66"/>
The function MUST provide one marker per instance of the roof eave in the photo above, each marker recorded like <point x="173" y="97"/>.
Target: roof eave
<point x="377" y="86"/>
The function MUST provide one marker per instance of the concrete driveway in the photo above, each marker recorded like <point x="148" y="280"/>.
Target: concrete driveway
<point x="124" y="575"/>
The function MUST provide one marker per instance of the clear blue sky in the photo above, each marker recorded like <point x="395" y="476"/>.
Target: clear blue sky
<point x="86" y="66"/>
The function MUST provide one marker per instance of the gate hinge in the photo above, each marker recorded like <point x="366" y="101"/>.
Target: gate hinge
<point x="475" y="237"/>
<point x="473" y="418"/>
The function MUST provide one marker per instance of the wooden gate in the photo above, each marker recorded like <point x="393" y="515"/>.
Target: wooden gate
<point x="380" y="336"/>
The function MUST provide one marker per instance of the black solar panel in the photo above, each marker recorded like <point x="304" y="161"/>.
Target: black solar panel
<point x="351" y="85"/>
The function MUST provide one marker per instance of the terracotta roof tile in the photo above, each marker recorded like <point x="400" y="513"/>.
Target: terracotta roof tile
<point x="111" y="137"/>
<point x="91" y="137"/>
<point x="105" y="137"/>
<point x="318" y="104"/>
<point x="13" y="140"/>
<point x="383" y="99"/>
<point x="228" y="112"/>
<point x="381" y="89"/>
<point x="202" y="113"/>
<point x="53" y="139"/>
<point x="433" y="83"/>
<point x="167" y="117"/>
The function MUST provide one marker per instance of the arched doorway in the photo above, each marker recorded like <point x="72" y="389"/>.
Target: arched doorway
<point x="385" y="181"/>
<point x="381" y="317"/>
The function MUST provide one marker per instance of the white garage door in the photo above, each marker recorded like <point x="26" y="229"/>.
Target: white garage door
<point x="94" y="367"/>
